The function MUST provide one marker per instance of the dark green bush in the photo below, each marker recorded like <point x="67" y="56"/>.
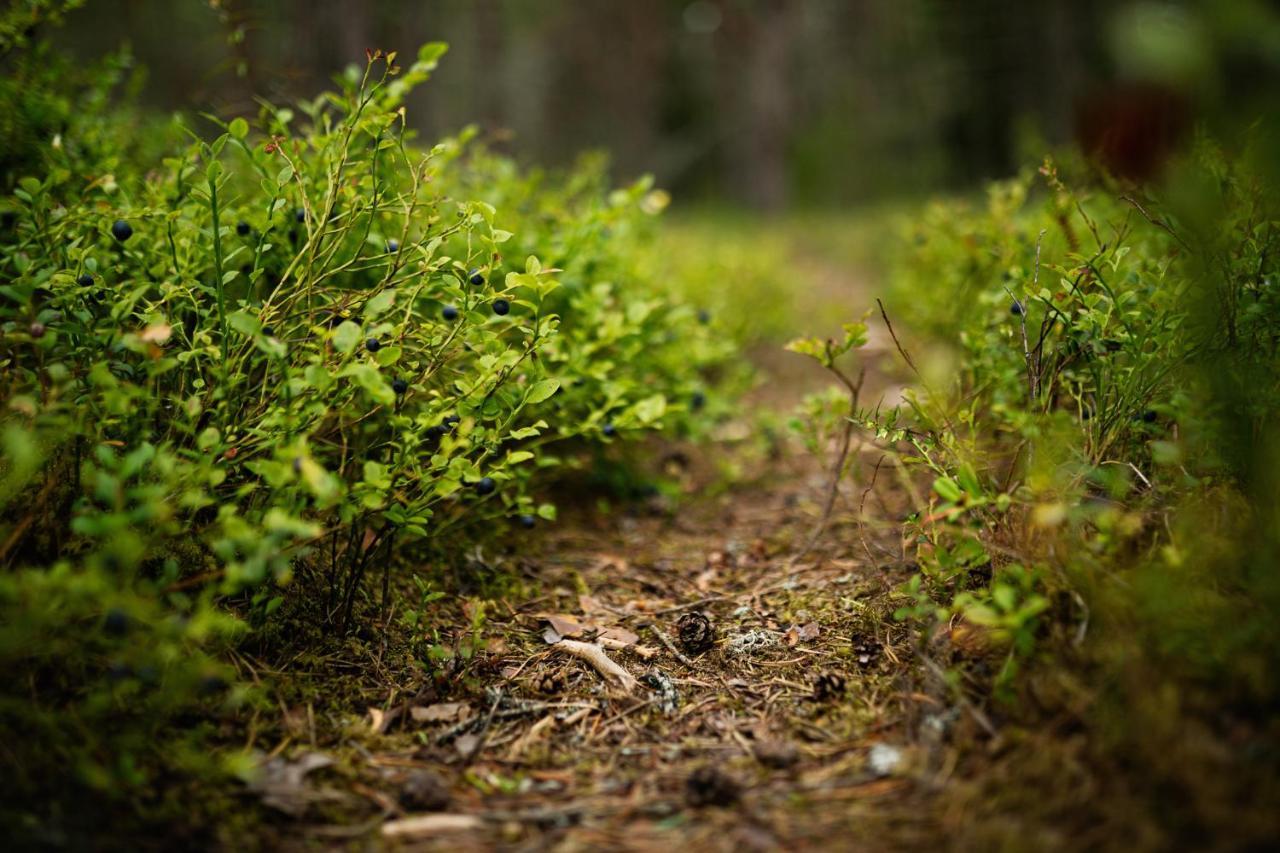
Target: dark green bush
<point x="264" y="365"/>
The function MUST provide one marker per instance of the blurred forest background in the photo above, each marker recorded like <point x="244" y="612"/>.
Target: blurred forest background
<point x="772" y="103"/>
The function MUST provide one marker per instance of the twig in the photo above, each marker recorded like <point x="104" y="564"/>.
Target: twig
<point x="902" y="352"/>
<point x="484" y="729"/>
<point x="837" y="472"/>
<point x="671" y="647"/>
<point x="595" y="656"/>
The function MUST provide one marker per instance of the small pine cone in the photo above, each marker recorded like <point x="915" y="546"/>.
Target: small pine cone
<point x="866" y="651"/>
<point x="708" y="786"/>
<point x="828" y="686"/>
<point x="549" y="683"/>
<point x="696" y="633"/>
<point x="424" y="791"/>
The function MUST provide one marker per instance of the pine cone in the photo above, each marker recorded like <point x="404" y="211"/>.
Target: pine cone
<point x="549" y="683"/>
<point x="828" y="686"/>
<point x="866" y="651"/>
<point x="707" y="786"/>
<point x="696" y="633"/>
<point x="424" y="791"/>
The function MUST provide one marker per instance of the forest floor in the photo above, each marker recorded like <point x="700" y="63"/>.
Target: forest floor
<point x="740" y="690"/>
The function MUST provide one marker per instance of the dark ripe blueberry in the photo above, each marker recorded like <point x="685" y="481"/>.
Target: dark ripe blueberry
<point x="436" y="433"/>
<point x="373" y="345"/>
<point x="118" y="671"/>
<point x="300" y="215"/>
<point x="242" y="228"/>
<point x="1086" y="414"/>
<point x="697" y="401"/>
<point x="485" y="486"/>
<point x="609" y="429"/>
<point x="399" y="386"/>
<point x="475" y="276"/>
<point x="293" y="235"/>
<point x="704" y="316"/>
<point x="528" y="522"/>
<point x="85" y="280"/>
<point x="37" y="330"/>
<point x="501" y="307"/>
<point x="450" y="312"/>
<point x="121" y="230"/>
<point x="450" y="422"/>
<point x="268" y="331"/>
<point x="116" y="622"/>
<point x="1016" y="308"/>
<point x="393" y="246"/>
<point x="1150" y="416"/>
<point x="211" y="685"/>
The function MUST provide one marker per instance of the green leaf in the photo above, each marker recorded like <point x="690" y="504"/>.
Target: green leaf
<point x="239" y="128"/>
<point x="947" y="489"/>
<point x="346" y="336"/>
<point x="540" y="391"/>
<point x="379" y="304"/>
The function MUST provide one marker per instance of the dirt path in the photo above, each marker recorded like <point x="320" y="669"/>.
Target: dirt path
<point x="767" y="699"/>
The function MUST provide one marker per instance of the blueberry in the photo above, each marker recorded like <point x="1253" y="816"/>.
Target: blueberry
<point x="212" y="685"/>
<point x="485" y="486"/>
<point x="609" y="429"/>
<point x="242" y="228"/>
<point x="450" y="312"/>
<point x="501" y="307"/>
<point x="704" y="316"/>
<point x="300" y="215"/>
<point x="1150" y="415"/>
<point x="697" y="401"/>
<point x="121" y="230"/>
<point x="116" y="622"/>
<point x="399" y="386"/>
<point x="475" y="276"/>
<point x="269" y="332"/>
<point x="293" y="235"/>
<point x="85" y="280"/>
<point x="373" y="345"/>
<point x="450" y="422"/>
<point x="1016" y="308"/>
<point x="436" y="433"/>
<point x="36" y="330"/>
<point x="393" y="246"/>
<point x="528" y="522"/>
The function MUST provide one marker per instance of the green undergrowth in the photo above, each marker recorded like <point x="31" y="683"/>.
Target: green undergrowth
<point x="1091" y="419"/>
<point x="252" y="369"/>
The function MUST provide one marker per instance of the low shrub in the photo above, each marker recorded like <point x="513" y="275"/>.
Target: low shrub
<point x="266" y="365"/>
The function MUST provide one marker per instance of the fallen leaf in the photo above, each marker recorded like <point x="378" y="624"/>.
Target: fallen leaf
<point x="617" y="638"/>
<point x="281" y="783"/>
<point x="441" y="712"/>
<point x="562" y="625"/>
<point x="466" y="744"/>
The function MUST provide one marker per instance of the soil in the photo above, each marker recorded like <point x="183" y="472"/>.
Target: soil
<point x="767" y="698"/>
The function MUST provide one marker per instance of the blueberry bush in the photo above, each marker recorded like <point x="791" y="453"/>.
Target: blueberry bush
<point x="1087" y="445"/>
<point x="250" y="364"/>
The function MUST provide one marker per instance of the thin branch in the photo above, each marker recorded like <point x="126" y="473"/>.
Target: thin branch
<point x="902" y="352"/>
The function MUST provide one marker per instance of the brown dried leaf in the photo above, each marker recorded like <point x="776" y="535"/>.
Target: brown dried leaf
<point x="441" y="712"/>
